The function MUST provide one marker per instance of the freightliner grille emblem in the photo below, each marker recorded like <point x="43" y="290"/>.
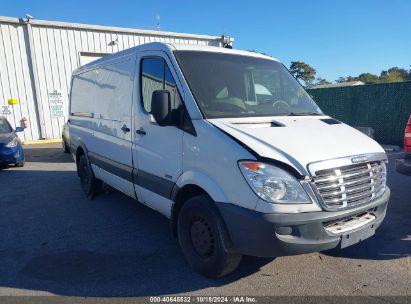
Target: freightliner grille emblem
<point x="359" y="159"/>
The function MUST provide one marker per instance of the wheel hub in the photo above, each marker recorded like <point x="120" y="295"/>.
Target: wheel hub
<point x="202" y="237"/>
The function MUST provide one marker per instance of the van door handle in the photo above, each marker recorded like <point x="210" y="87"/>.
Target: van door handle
<point x="125" y="129"/>
<point x="141" y="131"/>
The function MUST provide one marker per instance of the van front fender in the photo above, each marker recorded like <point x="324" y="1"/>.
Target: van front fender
<point x="204" y="181"/>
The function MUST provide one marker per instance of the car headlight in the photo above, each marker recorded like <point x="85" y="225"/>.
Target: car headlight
<point x="13" y="143"/>
<point x="273" y="184"/>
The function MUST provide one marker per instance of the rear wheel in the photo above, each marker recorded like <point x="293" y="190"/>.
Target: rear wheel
<point x="23" y="161"/>
<point x="204" y="239"/>
<point x="89" y="183"/>
<point x="66" y="148"/>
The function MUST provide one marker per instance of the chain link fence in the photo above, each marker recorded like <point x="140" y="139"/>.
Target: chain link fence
<point x="384" y="107"/>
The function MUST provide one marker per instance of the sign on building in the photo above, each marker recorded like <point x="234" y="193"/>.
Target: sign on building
<point x="5" y="110"/>
<point x="56" y="103"/>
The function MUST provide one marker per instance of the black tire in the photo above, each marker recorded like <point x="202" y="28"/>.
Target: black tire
<point x="66" y="148"/>
<point x="89" y="184"/>
<point x="204" y="239"/>
<point x="20" y="164"/>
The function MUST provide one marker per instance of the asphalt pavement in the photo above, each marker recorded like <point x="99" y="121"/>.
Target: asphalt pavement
<point x="53" y="241"/>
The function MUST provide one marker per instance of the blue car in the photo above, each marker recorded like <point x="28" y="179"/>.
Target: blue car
<point x="11" y="149"/>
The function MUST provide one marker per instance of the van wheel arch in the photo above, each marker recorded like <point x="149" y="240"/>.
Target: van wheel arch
<point x="181" y="196"/>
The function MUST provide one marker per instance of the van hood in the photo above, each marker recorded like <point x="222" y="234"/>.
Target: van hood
<point x="298" y="141"/>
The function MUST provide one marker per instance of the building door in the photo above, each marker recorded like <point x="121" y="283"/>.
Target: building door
<point x="86" y="57"/>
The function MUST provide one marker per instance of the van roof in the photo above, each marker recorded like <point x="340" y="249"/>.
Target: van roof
<point x="169" y="47"/>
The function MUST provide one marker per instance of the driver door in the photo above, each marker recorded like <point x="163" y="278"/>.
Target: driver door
<point x="158" y="150"/>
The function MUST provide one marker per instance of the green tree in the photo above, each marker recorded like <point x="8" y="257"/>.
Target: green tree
<point x="320" y="81"/>
<point x="368" y="78"/>
<point x="303" y="71"/>
<point x="340" y="79"/>
<point x="395" y="74"/>
<point x="347" y="79"/>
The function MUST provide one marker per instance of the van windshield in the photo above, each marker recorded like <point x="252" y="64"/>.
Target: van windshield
<point x="230" y="85"/>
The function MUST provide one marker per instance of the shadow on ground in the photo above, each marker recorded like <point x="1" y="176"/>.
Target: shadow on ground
<point x="54" y="239"/>
<point x="46" y="153"/>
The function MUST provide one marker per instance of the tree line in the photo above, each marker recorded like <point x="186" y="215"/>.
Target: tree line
<point x="307" y="74"/>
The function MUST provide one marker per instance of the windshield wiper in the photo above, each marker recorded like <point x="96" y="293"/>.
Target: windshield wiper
<point x="304" y="114"/>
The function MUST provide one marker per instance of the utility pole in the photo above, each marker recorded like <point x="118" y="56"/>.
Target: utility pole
<point x="158" y="22"/>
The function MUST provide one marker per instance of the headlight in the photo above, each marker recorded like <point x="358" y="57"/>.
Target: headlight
<point x="13" y="143"/>
<point x="273" y="184"/>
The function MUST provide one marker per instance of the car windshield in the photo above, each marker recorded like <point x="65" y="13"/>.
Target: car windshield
<point x="4" y="126"/>
<point x="230" y="85"/>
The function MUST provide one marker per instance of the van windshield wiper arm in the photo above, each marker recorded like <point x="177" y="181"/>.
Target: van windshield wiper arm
<point x="304" y="114"/>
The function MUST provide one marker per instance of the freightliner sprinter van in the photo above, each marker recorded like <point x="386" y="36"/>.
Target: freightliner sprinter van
<point x="228" y="146"/>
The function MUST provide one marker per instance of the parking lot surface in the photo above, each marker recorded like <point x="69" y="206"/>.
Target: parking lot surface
<point x="55" y="241"/>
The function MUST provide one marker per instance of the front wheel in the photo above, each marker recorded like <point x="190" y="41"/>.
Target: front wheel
<point x="20" y="164"/>
<point x="204" y="239"/>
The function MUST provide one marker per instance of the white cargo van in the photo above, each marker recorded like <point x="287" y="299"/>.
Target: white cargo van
<point x="230" y="147"/>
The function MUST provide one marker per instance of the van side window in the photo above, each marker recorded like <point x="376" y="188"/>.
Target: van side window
<point x="171" y="86"/>
<point x="155" y="75"/>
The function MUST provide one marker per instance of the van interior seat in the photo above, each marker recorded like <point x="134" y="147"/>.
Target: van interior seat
<point x="230" y="100"/>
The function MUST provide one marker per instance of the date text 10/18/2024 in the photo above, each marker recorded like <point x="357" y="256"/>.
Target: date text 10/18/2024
<point x="202" y="299"/>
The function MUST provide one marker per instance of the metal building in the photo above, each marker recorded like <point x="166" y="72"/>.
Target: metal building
<point x="37" y="58"/>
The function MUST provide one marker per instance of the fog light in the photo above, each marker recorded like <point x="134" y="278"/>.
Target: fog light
<point x="284" y="230"/>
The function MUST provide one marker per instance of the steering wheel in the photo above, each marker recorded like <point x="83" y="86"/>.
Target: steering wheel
<point x="281" y="104"/>
<point x="266" y="101"/>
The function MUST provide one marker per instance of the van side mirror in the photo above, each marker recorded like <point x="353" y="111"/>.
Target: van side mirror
<point x="161" y="107"/>
<point x="19" y="129"/>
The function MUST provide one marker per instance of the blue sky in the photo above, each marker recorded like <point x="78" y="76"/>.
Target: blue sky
<point x="337" y="38"/>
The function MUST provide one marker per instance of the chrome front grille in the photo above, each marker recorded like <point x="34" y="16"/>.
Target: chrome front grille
<point x="351" y="185"/>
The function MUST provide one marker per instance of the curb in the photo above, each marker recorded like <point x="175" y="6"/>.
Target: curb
<point x="42" y="141"/>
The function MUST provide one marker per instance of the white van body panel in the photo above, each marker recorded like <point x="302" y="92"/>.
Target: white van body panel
<point x="155" y="201"/>
<point x="300" y="141"/>
<point x="107" y="97"/>
<point x="201" y="179"/>
<point x="201" y="48"/>
<point x="213" y="156"/>
<point x="114" y="181"/>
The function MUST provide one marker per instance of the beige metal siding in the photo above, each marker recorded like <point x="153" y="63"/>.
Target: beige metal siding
<point x="55" y="53"/>
<point x="15" y="80"/>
